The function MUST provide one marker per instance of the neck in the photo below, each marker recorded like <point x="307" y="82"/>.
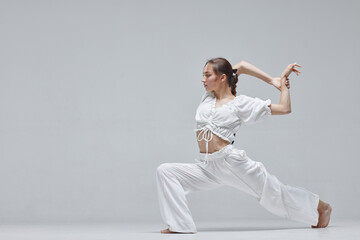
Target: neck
<point x="223" y="93"/>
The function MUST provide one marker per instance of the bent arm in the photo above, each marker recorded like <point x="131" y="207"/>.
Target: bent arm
<point x="247" y="68"/>
<point x="284" y="107"/>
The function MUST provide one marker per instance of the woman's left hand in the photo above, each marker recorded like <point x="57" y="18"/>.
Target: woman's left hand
<point x="276" y="82"/>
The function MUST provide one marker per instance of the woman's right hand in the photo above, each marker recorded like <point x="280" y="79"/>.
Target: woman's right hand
<point x="289" y="69"/>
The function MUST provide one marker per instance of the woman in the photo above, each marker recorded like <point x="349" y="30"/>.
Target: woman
<point x="218" y="117"/>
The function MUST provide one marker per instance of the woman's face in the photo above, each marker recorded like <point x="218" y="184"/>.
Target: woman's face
<point x="210" y="79"/>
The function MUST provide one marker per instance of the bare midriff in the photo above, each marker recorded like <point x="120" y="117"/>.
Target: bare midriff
<point x="215" y="144"/>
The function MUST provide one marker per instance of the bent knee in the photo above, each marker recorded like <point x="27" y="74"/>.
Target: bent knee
<point x="163" y="168"/>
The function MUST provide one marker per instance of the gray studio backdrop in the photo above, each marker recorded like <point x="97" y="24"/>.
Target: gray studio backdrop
<point x="95" y="95"/>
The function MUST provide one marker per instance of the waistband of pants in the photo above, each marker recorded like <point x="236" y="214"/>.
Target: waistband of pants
<point x="216" y="155"/>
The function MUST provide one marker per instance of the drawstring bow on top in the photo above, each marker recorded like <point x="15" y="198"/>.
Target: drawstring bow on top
<point x="207" y="135"/>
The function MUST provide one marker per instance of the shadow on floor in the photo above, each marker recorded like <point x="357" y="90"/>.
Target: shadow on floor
<point x="245" y="229"/>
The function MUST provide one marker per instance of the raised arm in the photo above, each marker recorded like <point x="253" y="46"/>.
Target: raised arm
<point x="247" y="68"/>
<point x="244" y="67"/>
<point x="284" y="107"/>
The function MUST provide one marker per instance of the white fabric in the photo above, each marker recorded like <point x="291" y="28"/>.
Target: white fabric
<point x="231" y="167"/>
<point x="225" y="120"/>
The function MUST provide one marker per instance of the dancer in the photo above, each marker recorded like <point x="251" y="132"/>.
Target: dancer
<point x="218" y="117"/>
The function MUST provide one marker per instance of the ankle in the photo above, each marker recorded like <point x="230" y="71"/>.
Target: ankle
<point x="323" y="207"/>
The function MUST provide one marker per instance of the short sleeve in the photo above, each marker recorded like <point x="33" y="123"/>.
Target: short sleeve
<point x="251" y="110"/>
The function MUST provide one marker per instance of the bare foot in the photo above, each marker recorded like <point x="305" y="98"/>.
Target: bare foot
<point x="168" y="231"/>
<point x="324" y="210"/>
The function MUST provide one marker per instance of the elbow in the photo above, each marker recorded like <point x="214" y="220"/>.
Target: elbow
<point x="242" y="62"/>
<point x="285" y="110"/>
<point x="241" y="67"/>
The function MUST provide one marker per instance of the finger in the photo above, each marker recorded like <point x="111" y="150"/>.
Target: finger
<point x="295" y="70"/>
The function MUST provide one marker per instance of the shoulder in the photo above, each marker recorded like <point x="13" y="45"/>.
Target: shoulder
<point x="244" y="98"/>
<point x="245" y="101"/>
<point x="241" y="99"/>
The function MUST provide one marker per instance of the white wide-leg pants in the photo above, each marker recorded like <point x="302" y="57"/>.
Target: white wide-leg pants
<point x="231" y="167"/>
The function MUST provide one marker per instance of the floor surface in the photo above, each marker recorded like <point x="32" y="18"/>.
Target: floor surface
<point x="344" y="230"/>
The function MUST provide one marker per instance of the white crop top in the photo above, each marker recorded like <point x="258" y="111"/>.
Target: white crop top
<point x="225" y="121"/>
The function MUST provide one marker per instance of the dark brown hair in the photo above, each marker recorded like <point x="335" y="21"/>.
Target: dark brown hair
<point x="222" y="66"/>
